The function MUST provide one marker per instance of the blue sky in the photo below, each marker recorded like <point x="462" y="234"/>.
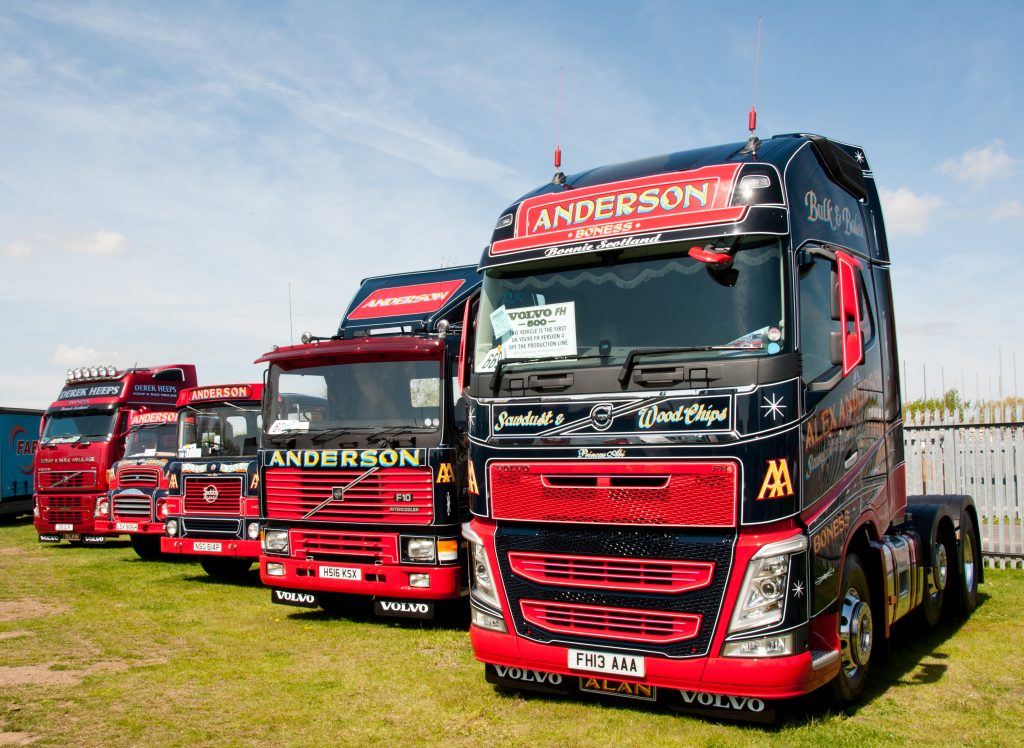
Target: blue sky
<point x="169" y="168"/>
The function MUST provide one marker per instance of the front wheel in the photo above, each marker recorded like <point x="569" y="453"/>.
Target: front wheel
<point x="147" y="547"/>
<point x="856" y="632"/>
<point x="233" y="569"/>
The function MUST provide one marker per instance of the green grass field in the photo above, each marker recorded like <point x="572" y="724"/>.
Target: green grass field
<point x="100" y="648"/>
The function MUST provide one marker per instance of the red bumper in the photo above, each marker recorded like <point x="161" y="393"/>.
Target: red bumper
<point x="230" y="547"/>
<point x="128" y="527"/>
<point x="374" y="579"/>
<point x="763" y="678"/>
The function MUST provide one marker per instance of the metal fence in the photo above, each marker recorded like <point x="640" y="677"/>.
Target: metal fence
<point x="976" y="451"/>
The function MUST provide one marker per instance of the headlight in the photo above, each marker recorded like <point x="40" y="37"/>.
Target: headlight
<point x="102" y="508"/>
<point x="420" y="549"/>
<point x="171" y="527"/>
<point x="275" y="541"/>
<point x="762" y="597"/>
<point x="161" y="510"/>
<point x="253" y="531"/>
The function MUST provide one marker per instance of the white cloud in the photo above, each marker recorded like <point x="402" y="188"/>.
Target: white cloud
<point x="18" y="248"/>
<point x="1008" y="209"/>
<point x="102" y="243"/>
<point x="982" y="164"/>
<point x="80" y="355"/>
<point x="907" y="213"/>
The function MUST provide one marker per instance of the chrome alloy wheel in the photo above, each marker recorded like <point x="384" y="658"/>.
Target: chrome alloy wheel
<point x="856" y="632"/>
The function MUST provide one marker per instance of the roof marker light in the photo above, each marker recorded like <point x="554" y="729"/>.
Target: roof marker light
<point x="755" y="182"/>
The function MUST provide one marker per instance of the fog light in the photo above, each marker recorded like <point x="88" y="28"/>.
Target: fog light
<point x="253" y="531"/>
<point x="419" y="580"/>
<point x="275" y="569"/>
<point x="448" y="550"/>
<point x="420" y="549"/>
<point x="171" y="527"/>
<point x="486" y="620"/>
<point x="767" y="646"/>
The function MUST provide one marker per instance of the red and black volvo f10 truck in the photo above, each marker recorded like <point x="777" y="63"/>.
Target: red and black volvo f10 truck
<point x="138" y="479"/>
<point x="211" y="510"/>
<point x="83" y="434"/>
<point x="686" y="460"/>
<point x="364" y="451"/>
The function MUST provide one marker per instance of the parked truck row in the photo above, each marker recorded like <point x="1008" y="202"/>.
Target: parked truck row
<point x="655" y="436"/>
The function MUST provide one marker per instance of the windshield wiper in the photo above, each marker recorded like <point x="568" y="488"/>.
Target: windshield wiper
<point x="385" y="437"/>
<point x="633" y="355"/>
<point x="496" y="377"/>
<point x="323" y="435"/>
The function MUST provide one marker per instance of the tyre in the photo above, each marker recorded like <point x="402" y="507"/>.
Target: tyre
<point x="233" y="569"/>
<point x="940" y="575"/>
<point x="856" y="632"/>
<point x="969" y="564"/>
<point x="147" y="547"/>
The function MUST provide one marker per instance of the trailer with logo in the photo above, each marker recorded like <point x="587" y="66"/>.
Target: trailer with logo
<point x="83" y="434"/>
<point x="19" y="428"/>
<point x="686" y="461"/>
<point x="363" y="460"/>
<point x="211" y="508"/>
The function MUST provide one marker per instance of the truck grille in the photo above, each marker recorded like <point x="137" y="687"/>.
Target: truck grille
<point x="675" y="494"/>
<point x="611" y="623"/>
<point x="401" y="496"/>
<point x="586" y="586"/>
<point x="349" y="546"/>
<point x="611" y="573"/>
<point x="67" y="509"/>
<point x="203" y="527"/>
<point x="135" y="477"/>
<point x="133" y="505"/>
<point x="213" y="494"/>
<point x="62" y="480"/>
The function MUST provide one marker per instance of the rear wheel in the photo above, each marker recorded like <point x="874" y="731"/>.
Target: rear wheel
<point x="970" y="564"/>
<point x="856" y="632"/>
<point x="940" y="575"/>
<point x="234" y="569"/>
<point x="146" y="546"/>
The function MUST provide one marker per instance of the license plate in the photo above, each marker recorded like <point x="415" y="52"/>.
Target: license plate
<point x="208" y="547"/>
<point x="341" y="572"/>
<point x="127" y="526"/>
<point x="622" y="688"/>
<point x="605" y="662"/>
<point x="64" y="528"/>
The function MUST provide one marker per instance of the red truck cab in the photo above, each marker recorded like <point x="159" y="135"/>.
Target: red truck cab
<point x="83" y="434"/>
<point x="211" y="509"/>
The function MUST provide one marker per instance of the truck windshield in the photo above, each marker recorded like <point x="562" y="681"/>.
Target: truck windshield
<point x="78" y="425"/>
<point x="223" y="430"/>
<point x="600" y="307"/>
<point x="151" y="440"/>
<point x="366" y="396"/>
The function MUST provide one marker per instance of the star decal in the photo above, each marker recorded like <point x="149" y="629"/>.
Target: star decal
<point x="773" y="407"/>
<point x="798" y="588"/>
<point x="470" y="417"/>
<point x="859" y="155"/>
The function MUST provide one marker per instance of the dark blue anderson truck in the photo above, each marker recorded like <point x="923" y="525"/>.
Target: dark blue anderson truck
<point x="363" y="458"/>
<point x="19" y="429"/>
<point x="686" y="462"/>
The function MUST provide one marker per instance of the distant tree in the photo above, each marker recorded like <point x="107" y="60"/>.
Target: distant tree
<point x="950" y="402"/>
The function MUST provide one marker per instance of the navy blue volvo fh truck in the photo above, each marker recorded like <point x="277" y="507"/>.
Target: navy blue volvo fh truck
<point x="686" y="461"/>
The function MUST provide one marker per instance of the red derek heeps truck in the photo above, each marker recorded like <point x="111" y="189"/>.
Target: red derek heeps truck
<point x="83" y="435"/>
<point x="211" y="509"/>
<point x="686" y="461"/>
<point x="364" y="452"/>
<point x="138" y="481"/>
